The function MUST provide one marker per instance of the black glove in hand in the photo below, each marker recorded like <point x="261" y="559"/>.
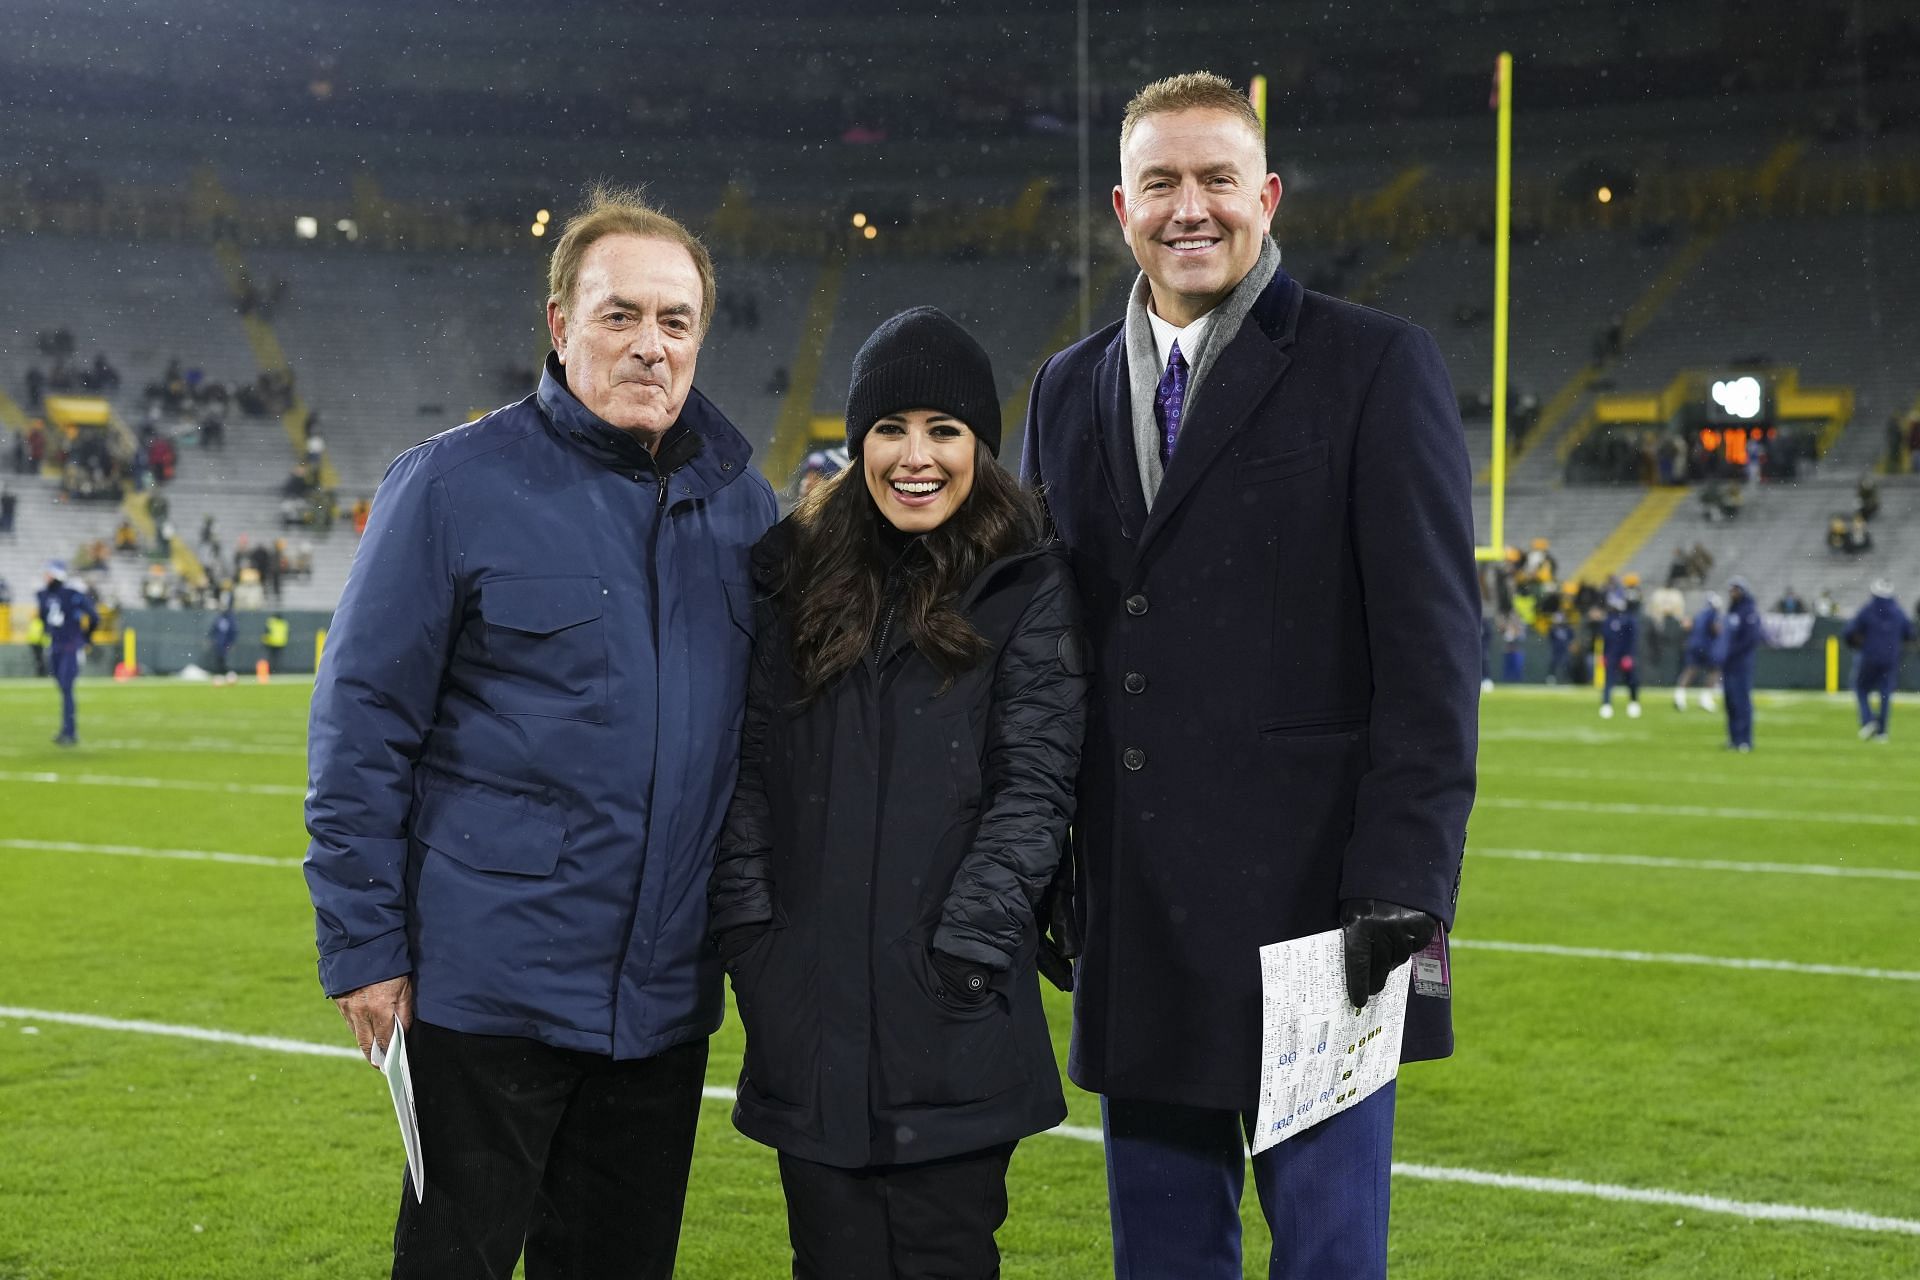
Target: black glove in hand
<point x="1379" y="936"/>
<point x="737" y="941"/>
<point x="960" y="981"/>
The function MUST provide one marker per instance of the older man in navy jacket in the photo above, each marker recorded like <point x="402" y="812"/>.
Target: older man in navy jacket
<point x="524" y="737"/>
<point x="1265" y="492"/>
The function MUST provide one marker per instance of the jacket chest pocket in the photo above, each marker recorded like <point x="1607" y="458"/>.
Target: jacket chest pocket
<point x="545" y="647"/>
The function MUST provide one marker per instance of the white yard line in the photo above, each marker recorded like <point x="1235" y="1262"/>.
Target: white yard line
<point x="1850" y="1219"/>
<point x="142" y="851"/>
<point x="153" y="784"/>
<point x="1701" y="811"/>
<point x="190" y="747"/>
<point x="1694" y="864"/>
<point x="1658" y="957"/>
<point x="1757" y="1211"/>
<point x="1784" y="783"/>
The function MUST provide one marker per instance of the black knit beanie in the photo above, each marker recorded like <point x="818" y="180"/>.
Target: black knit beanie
<point x="922" y="359"/>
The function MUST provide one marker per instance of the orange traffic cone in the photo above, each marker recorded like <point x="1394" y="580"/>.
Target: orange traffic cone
<point x="260" y="671"/>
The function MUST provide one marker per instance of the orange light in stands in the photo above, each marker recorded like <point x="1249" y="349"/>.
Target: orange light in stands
<point x="1710" y="441"/>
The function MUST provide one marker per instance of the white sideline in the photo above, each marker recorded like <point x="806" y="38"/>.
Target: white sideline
<point x="1693" y="864"/>
<point x="1850" y="1219"/>
<point x="1657" y="957"/>
<point x="154" y="784"/>
<point x="141" y="851"/>
<point x="1701" y="811"/>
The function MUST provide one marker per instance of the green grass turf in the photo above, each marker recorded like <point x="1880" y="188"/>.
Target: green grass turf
<point x="126" y="1155"/>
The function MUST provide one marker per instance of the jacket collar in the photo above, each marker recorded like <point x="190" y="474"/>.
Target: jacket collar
<point x="1250" y="363"/>
<point x="702" y="452"/>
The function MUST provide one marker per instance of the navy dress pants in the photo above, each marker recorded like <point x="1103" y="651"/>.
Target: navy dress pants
<point x="1175" y="1173"/>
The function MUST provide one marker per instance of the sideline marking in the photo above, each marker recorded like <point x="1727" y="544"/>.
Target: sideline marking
<point x="141" y="851"/>
<point x="1640" y="775"/>
<point x="1701" y="811"/>
<point x="154" y="784"/>
<point x="1657" y="957"/>
<point x="1850" y="1219"/>
<point x="1694" y="864"/>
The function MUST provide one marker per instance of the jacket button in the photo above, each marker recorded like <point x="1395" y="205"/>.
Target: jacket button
<point x="975" y="982"/>
<point x="1136" y="604"/>
<point x="1134" y="758"/>
<point x="1135" y="682"/>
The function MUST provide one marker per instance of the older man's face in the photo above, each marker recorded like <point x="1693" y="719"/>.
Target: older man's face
<point x="631" y="338"/>
<point x="1195" y="204"/>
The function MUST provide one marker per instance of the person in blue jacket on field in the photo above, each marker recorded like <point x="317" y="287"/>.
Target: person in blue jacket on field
<point x="1560" y="638"/>
<point x="221" y="635"/>
<point x="1739" y="641"/>
<point x="1877" y="632"/>
<point x="1701" y="663"/>
<point x="1620" y="642"/>
<point x="524" y="737"/>
<point x="69" y="620"/>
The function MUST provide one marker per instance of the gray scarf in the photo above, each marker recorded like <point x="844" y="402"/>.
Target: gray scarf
<point x="1143" y="358"/>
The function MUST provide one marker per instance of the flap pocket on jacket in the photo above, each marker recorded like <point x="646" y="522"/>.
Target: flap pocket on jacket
<point x="1280" y="466"/>
<point x="1313" y="724"/>
<point x="540" y="606"/>
<point x="489" y="834"/>
<point x="740" y="604"/>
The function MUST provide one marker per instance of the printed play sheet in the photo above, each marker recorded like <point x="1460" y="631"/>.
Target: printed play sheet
<point x="1318" y="1054"/>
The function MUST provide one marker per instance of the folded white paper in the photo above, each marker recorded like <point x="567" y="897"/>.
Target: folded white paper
<point x="1318" y="1054"/>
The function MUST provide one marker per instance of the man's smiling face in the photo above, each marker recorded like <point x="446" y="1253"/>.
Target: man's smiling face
<point x="1195" y="205"/>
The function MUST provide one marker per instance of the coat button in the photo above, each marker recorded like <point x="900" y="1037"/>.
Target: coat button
<point x="975" y="982"/>
<point x="1136" y="604"/>
<point x="1135" y="682"/>
<point x="1134" y="758"/>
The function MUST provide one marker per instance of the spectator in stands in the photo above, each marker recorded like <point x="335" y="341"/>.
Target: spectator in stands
<point x="1740" y="639"/>
<point x="1867" y="497"/>
<point x="1790" y="602"/>
<point x="9" y="507"/>
<point x="70" y="620"/>
<point x="1878" y="632"/>
<point x="1120" y="433"/>
<point x="362" y="509"/>
<point x="595" y="592"/>
<point x="1825" y="606"/>
<point x="1859" y="537"/>
<point x="126" y="539"/>
<point x="1837" y="534"/>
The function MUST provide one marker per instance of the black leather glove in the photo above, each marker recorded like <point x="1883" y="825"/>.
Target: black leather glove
<point x="737" y="941"/>
<point x="1379" y="936"/>
<point x="960" y="981"/>
<point x="1060" y="941"/>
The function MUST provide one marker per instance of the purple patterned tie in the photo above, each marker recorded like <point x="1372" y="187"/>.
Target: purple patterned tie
<point x="1169" y="400"/>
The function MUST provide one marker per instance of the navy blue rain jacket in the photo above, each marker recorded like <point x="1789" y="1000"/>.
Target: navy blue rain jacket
<point x="1879" y="629"/>
<point x="526" y="726"/>
<point x="1620" y="635"/>
<point x="1740" y="636"/>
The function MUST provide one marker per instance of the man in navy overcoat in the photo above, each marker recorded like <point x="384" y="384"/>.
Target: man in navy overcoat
<point x="1265" y="492"/>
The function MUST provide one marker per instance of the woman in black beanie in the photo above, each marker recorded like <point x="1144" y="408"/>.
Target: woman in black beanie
<point x="912" y="733"/>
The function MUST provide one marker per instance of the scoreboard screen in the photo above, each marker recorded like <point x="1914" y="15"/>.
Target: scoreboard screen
<point x="1740" y="400"/>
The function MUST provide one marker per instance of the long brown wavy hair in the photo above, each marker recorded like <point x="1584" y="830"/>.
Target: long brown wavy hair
<point x="835" y="580"/>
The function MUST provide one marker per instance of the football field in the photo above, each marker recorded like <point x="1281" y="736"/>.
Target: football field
<point x="1687" y="997"/>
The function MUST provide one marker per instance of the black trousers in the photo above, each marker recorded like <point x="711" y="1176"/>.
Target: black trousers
<point x="900" y="1221"/>
<point x="580" y="1158"/>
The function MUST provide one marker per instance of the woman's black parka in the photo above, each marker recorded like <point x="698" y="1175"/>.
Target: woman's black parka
<point x="881" y="820"/>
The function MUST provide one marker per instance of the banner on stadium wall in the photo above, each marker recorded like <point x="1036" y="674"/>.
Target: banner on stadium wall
<point x="1787" y="630"/>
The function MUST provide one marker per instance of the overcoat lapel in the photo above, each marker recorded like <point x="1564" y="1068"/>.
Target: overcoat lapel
<point x="1113" y="425"/>
<point x="1244" y="376"/>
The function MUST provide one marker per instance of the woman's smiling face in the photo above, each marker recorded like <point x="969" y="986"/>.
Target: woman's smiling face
<point x="919" y="467"/>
